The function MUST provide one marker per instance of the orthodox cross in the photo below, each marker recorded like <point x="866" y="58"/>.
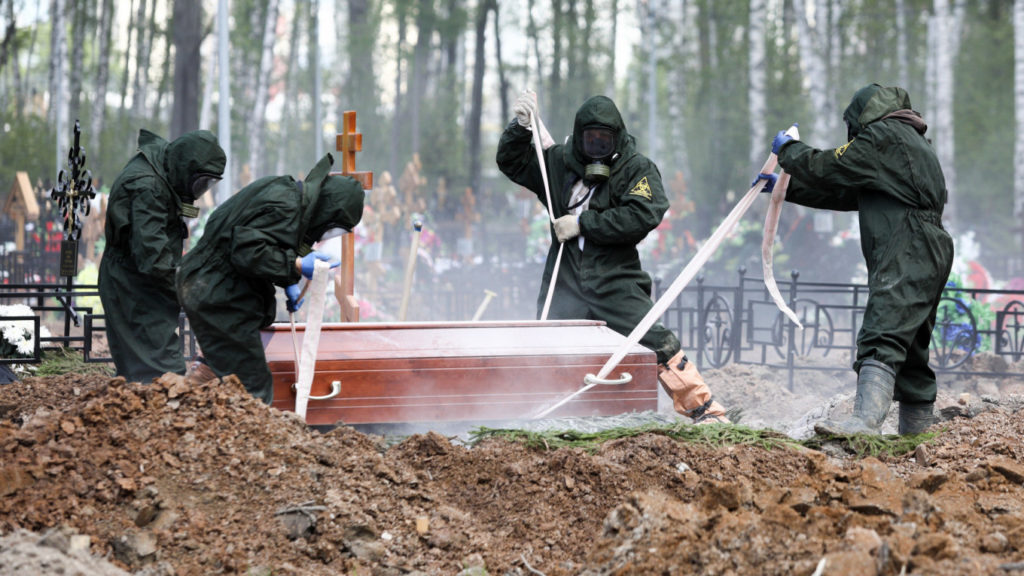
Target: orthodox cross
<point x="72" y="193"/>
<point x="348" y="143"/>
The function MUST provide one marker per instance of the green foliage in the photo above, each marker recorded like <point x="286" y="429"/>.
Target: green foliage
<point x="65" y="361"/>
<point x="985" y="126"/>
<point x="27" y="145"/>
<point x="715" y="435"/>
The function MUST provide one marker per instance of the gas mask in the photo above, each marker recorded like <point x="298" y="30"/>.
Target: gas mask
<point x="598" y="146"/>
<point x="200" y="183"/>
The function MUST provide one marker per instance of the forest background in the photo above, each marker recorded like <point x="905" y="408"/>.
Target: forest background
<point x="703" y="85"/>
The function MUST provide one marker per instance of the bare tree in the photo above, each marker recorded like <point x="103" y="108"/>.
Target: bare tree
<point x="499" y="61"/>
<point x="291" y="84"/>
<point x="755" y="88"/>
<point x="483" y="10"/>
<point x="425" y="25"/>
<point x="187" y="32"/>
<point x="144" y="36"/>
<point x="99" y="103"/>
<point x="79" y="17"/>
<point x="259" y="106"/>
<point x="942" y="118"/>
<point x="127" y="56"/>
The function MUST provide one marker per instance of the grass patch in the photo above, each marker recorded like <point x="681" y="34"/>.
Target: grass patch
<point x="710" y="434"/>
<point x="715" y="435"/>
<point x="60" y="361"/>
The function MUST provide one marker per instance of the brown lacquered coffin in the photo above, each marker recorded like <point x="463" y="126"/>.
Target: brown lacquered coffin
<point x="462" y="371"/>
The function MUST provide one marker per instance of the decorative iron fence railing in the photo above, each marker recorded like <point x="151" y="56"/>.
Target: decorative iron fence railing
<point x="740" y="324"/>
<point x="717" y="324"/>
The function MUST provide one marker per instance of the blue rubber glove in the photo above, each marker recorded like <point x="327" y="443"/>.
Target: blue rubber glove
<point x="770" y="180"/>
<point x="781" y="139"/>
<point x="293" y="303"/>
<point x="309" y="260"/>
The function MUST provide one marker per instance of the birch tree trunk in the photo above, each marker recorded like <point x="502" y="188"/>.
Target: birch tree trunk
<point x="902" y="65"/>
<point x="399" y="112"/>
<point x="127" y="58"/>
<point x="813" y="46"/>
<point x="79" y="17"/>
<point x="943" y="118"/>
<point x="99" y="103"/>
<point x="143" y="43"/>
<point x="503" y="85"/>
<point x="57" y="112"/>
<point x="58" y="47"/>
<point x="259" y="107"/>
<point x="684" y="18"/>
<point x="291" y="84"/>
<point x="755" y="91"/>
<point x="1018" y="102"/>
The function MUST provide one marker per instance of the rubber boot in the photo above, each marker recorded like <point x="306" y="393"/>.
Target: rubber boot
<point x="916" y="418"/>
<point x="875" y="385"/>
<point x="198" y="372"/>
<point x="690" y="395"/>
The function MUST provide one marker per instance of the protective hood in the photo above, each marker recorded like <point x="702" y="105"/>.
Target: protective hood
<point x="331" y="201"/>
<point x="598" y="111"/>
<point x="189" y="156"/>
<point x="872" y="103"/>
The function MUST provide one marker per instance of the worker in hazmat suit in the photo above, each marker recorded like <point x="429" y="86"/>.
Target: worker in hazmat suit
<point x="145" y="230"/>
<point x="889" y="173"/>
<point x="606" y="197"/>
<point x="259" y="239"/>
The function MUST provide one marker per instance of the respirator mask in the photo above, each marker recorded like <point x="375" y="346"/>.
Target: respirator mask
<point x="598" y="146"/>
<point x="198" y="184"/>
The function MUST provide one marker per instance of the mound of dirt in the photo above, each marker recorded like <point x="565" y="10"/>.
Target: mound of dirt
<point x="167" y="479"/>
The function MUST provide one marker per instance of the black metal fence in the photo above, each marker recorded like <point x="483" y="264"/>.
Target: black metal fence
<point x="740" y="324"/>
<point x="717" y="324"/>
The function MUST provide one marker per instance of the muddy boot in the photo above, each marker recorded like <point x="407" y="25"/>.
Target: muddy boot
<point x="198" y="372"/>
<point x="875" y="385"/>
<point x="690" y="395"/>
<point x="916" y="418"/>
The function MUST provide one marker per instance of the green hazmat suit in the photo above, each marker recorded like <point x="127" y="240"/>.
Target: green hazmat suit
<point x="600" y="276"/>
<point x="889" y="173"/>
<point x="144" y="233"/>
<point x="227" y="282"/>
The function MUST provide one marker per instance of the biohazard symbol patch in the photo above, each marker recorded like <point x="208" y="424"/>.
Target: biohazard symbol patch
<point x="641" y="188"/>
<point x="841" y="150"/>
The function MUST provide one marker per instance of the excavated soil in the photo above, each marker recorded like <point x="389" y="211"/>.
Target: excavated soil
<point x="99" y="476"/>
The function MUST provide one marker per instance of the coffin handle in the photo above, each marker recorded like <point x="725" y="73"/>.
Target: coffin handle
<point x="335" y="390"/>
<point x="592" y="379"/>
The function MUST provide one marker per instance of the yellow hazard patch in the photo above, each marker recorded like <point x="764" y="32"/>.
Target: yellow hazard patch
<point x="641" y="188"/>
<point x="842" y="149"/>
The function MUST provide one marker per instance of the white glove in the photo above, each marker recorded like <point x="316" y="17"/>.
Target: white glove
<point x="525" y="107"/>
<point x="567" y="227"/>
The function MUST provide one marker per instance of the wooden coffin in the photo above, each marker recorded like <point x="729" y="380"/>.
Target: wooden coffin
<point x="461" y="371"/>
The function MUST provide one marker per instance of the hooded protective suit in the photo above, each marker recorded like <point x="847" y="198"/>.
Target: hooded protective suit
<point x="249" y="246"/>
<point x="600" y="277"/>
<point x="889" y="173"/>
<point x="144" y="232"/>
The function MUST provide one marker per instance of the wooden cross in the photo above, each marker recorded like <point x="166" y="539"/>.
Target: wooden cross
<point x="348" y="143"/>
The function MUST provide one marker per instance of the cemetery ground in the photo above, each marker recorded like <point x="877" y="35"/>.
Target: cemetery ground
<point x="108" y="477"/>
